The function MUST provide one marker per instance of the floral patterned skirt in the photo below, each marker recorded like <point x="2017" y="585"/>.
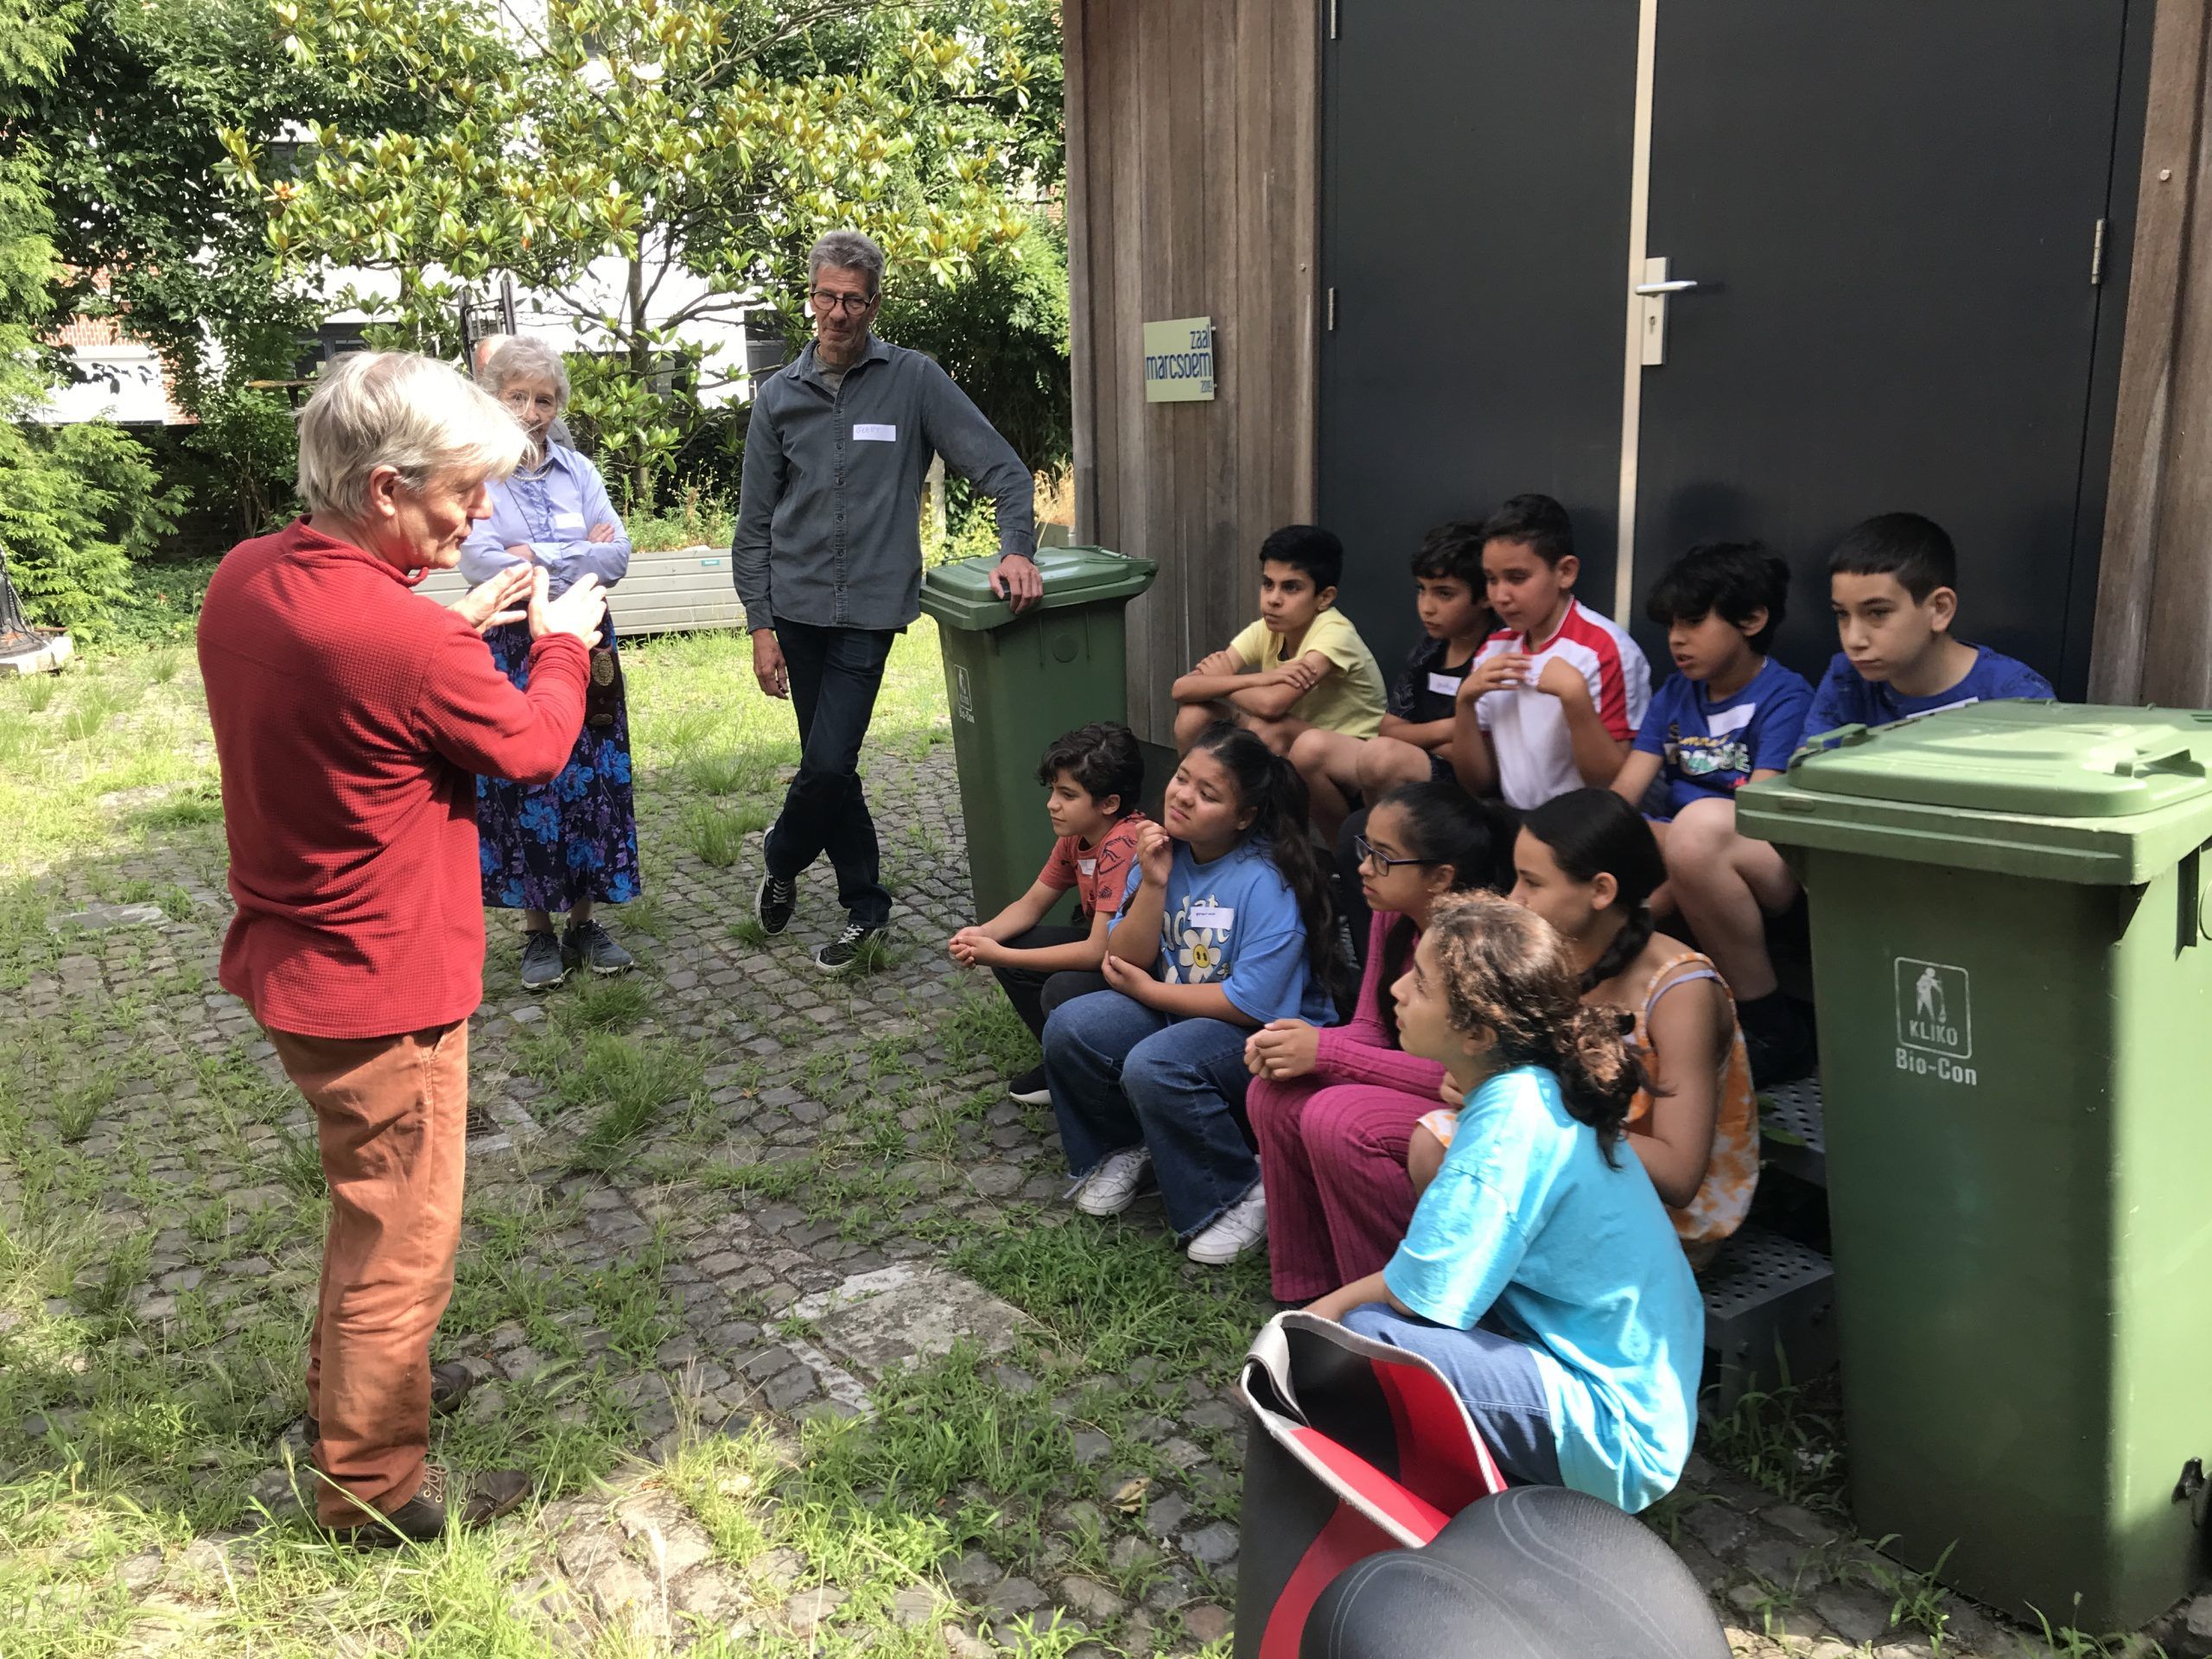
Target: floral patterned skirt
<point x="544" y="846"/>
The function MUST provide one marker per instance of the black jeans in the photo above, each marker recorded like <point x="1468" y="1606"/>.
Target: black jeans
<point x="1034" y="994"/>
<point x="835" y="675"/>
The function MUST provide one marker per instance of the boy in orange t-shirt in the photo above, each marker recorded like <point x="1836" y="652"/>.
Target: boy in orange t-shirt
<point x="1093" y="776"/>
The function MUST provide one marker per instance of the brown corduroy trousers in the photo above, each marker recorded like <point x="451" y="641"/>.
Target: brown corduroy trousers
<point x="391" y="1113"/>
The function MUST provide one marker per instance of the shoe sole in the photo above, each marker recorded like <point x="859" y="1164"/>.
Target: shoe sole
<point x="842" y="967"/>
<point x="606" y="972"/>
<point x="547" y="984"/>
<point x="1031" y="1097"/>
<point x="1114" y="1209"/>
<point x="1213" y="1259"/>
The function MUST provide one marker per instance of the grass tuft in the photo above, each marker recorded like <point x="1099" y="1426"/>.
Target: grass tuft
<point x="713" y="835"/>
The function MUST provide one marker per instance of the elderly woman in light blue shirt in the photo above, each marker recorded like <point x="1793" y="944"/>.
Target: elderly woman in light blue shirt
<point x="570" y="845"/>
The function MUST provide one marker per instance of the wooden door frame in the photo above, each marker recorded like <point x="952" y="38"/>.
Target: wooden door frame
<point x="2153" y="638"/>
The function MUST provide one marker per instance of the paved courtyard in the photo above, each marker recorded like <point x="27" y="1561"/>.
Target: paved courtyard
<point x="768" y="1282"/>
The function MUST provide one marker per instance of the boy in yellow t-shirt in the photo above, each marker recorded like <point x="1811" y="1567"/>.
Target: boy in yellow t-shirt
<point x="1302" y="665"/>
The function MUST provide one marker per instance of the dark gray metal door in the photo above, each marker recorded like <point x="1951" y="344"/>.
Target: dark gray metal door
<point x="1891" y="210"/>
<point x="1474" y="212"/>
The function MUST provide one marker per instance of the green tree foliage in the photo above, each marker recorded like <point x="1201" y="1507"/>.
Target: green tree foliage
<point x="75" y="501"/>
<point x="702" y="143"/>
<point x="134" y="134"/>
<point x="1001" y="333"/>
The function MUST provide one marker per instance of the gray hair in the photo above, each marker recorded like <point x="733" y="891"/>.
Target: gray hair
<point x="524" y="357"/>
<point x="848" y="251"/>
<point x="394" y="409"/>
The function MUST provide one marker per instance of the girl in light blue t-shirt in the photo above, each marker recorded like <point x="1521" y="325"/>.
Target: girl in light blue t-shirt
<point x="1225" y="924"/>
<point x="1540" y="1274"/>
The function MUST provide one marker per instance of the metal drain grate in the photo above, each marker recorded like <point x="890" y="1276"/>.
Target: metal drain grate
<point x="1794" y="1132"/>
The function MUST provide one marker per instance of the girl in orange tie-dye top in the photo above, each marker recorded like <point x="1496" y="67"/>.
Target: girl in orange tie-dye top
<point x="1587" y="863"/>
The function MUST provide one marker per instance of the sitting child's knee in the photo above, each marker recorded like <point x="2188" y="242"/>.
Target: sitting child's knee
<point x="1702" y="832"/>
<point x="1309" y="750"/>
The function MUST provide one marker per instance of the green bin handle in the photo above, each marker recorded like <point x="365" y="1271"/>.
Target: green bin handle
<point x="2178" y="762"/>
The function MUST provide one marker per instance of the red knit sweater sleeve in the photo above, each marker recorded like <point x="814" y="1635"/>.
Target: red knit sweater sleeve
<point x="471" y="716"/>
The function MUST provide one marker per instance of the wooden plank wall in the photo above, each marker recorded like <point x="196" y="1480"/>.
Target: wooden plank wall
<point x="2154" y="594"/>
<point x="1194" y="140"/>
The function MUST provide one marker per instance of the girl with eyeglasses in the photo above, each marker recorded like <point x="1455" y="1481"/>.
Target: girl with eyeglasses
<point x="1333" y="1110"/>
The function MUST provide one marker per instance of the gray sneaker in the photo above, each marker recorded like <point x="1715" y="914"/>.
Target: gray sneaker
<point x="590" y="945"/>
<point x="544" y="965"/>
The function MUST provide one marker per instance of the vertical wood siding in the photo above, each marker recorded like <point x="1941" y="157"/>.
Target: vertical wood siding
<point x="1192" y="191"/>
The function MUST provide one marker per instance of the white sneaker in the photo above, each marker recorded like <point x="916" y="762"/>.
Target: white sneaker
<point x="1108" y="1190"/>
<point x="1235" y="1230"/>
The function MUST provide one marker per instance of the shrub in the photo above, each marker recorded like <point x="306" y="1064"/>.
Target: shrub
<point x="77" y="504"/>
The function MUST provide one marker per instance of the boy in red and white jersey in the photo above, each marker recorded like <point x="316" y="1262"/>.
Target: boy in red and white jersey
<point x="1554" y="697"/>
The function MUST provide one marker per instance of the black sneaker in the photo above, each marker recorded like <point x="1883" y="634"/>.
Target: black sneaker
<point x="773" y="905"/>
<point x="1031" y="1089"/>
<point x="589" y="945"/>
<point x="544" y="965"/>
<point x="840" y="955"/>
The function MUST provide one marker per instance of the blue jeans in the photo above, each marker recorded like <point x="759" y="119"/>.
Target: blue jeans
<point x="1496" y="1378"/>
<point x="835" y="674"/>
<point x="1123" y="1076"/>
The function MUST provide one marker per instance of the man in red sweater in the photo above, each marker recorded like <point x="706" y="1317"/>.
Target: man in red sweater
<point x="349" y="714"/>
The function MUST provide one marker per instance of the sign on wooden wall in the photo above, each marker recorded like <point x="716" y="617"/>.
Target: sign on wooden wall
<point x="1179" y="360"/>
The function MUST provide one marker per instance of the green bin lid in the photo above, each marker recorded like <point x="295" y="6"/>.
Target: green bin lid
<point x="959" y="594"/>
<point x="2048" y="790"/>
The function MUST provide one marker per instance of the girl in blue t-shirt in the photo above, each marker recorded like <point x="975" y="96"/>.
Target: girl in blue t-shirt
<point x="1540" y="1274"/>
<point x="1225" y="924"/>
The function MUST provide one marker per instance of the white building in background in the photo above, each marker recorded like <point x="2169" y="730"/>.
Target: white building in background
<point x="119" y="378"/>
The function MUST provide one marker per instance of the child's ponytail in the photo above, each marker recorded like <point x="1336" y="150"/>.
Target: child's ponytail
<point x="1505" y="970"/>
<point x="1270" y="787"/>
<point x="1593" y="832"/>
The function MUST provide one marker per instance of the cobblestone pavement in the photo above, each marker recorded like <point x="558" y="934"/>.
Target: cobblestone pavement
<point x="724" y="1203"/>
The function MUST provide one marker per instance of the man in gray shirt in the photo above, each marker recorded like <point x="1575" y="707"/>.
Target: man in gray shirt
<point x="828" y="561"/>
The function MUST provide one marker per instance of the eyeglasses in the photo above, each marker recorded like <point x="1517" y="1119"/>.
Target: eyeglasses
<point x="850" y="304"/>
<point x="1365" y="848"/>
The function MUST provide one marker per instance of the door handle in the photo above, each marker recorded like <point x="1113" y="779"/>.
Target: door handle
<point x="1651" y="295"/>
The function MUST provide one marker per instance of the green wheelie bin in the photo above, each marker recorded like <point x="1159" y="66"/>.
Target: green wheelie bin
<point x="2013" y="966"/>
<point x="1016" y="683"/>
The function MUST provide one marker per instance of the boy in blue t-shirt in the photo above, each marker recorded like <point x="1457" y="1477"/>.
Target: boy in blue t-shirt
<point x="1893" y="582"/>
<point x="1731" y="716"/>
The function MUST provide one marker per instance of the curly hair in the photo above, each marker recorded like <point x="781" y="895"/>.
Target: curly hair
<point x="1507" y="971"/>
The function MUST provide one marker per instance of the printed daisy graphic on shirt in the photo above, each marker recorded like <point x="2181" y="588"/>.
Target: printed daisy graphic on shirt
<point x="1195" y="941"/>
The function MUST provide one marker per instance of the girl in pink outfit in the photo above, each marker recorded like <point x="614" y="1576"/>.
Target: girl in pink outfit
<point x="1334" y="1109"/>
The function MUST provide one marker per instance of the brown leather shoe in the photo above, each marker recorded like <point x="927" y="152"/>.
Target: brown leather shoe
<point x="450" y="1384"/>
<point x="436" y="1505"/>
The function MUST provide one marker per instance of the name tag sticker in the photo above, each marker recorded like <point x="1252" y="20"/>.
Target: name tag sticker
<point x="1445" y="685"/>
<point x="568" y="521"/>
<point x="868" y="432"/>
<point x="1220" y="917"/>
<point x="1088" y="866"/>
<point x="1731" y="720"/>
